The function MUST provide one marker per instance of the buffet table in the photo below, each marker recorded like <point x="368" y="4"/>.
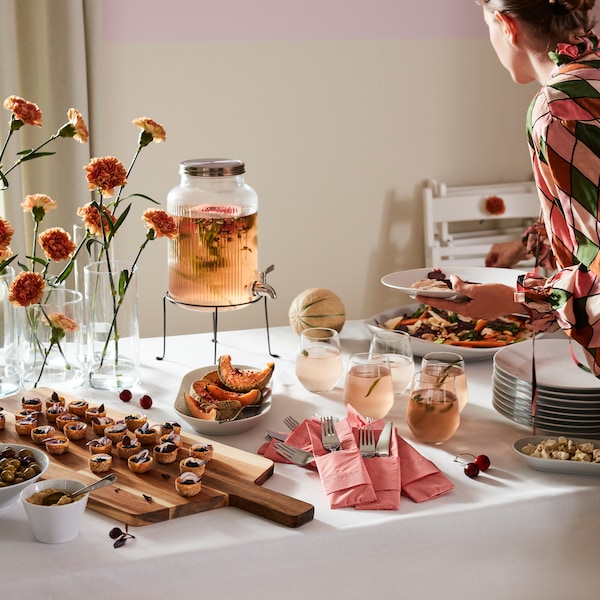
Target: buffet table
<point x="511" y="532"/>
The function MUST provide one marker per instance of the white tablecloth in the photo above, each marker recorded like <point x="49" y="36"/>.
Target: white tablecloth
<point x="511" y="532"/>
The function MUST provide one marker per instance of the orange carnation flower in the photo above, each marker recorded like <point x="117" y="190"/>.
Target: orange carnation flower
<point x="57" y="244"/>
<point x="6" y="233"/>
<point x="91" y="218"/>
<point x="33" y="201"/>
<point x="156" y="130"/>
<point x="105" y="174"/>
<point x="80" y="128"/>
<point x="494" y="205"/>
<point x="162" y="223"/>
<point x="61" y="321"/>
<point x="26" y="288"/>
<point x="5" y="253"/>
<point x="25" y="111"/>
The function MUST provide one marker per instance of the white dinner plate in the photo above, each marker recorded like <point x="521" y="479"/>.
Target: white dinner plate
<point x="402" y="280"/>
<point x="421" y="347"/>
<point x="212" y="428"/>
<point x="553" y="465"/>
<point x="554" y="366"/>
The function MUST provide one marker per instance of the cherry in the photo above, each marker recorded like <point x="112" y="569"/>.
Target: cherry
<point x="125" y="395"/>
<point x="145" y="401"/>
<point x="471" y="470"/>
<point x="483" y="462"/>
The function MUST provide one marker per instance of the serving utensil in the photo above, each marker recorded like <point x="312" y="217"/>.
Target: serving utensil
<point x="53" y="498"/>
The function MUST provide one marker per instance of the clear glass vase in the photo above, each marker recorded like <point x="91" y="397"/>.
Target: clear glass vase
<point x="51" y="344"/>
<point x="112" y="325"/>
<point x="10" y="373"/>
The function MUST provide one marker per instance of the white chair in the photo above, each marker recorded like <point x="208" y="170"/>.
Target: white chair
<point x="459" y="230"/>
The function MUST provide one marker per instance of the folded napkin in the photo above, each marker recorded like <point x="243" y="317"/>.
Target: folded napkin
<point x="349" y="480"/>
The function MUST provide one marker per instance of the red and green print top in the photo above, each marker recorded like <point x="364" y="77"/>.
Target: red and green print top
<point x="563" y="128"/>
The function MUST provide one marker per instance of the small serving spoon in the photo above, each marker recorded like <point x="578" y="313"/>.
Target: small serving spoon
<point x="53" y="498"/>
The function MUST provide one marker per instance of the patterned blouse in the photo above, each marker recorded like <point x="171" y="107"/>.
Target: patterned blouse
<point x="563" y="128"/>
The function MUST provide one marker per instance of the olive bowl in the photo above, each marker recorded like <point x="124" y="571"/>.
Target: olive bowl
<point x="9" y="494"/>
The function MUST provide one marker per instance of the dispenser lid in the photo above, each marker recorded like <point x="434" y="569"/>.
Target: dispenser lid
<point x="212" y="167"/>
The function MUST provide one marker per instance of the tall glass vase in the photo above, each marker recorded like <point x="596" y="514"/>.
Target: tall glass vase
<point x="51" y="345"/>
<point x="10" y="372"/>
<point x="112" y="325"/>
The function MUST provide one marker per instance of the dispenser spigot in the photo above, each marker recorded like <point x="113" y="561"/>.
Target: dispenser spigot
<point x="261" y="287"/>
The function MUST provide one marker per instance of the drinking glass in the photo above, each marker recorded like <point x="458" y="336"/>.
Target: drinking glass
<point x="319" y="359"/>
<point x="455" y="365"/>
<point x="396" y="346"/>
<point x="368" y="386"/>
<point x="432" y="412"/>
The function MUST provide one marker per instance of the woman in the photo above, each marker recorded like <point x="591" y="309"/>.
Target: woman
<point x="552" y="42"/>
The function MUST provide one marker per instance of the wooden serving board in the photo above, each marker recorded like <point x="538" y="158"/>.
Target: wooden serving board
<point x="232" y="478"/>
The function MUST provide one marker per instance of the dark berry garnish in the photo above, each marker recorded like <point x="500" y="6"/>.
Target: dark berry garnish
<point x="471" y="470"/>
<point x="125" y="395"/>
<point x="120" y="536"/>
<point x="115" y="532"/>
<point x="483" y="462"/>
<point x="145" y="401"/>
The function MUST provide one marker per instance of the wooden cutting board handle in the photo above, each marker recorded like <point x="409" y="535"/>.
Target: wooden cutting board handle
<point x="266" y="503"/>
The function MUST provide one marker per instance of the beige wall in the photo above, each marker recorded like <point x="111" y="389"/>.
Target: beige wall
<point x="338" y="138"/>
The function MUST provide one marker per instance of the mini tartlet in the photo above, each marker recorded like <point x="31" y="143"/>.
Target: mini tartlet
<point x="192" y="465"/>
<point x="40" y="434"/>
<point x="128" y="446"/>
<point x="75" y="430"/>
<point x="26" y="426"/>
<point x="53" y="411"/>
<point x="95" y="411"/>
<point x="173" y="438"/>
<point x="140" y="462"/>
<point x="101" y="445"/>
<point x="135" y="420"/>
<point x="100" y="463"/>
<point x="202" y="451"/>
<point x="2" y="419"/>
<point x="146" y="434"/>
<point x="32" y="403"/>
<point x="55" y="399"/>
<point x="170" y="426"/>
<point x="99" y="424"/>
<point x="165" y="453"/>
<point x="78" y="407"/>
<point x="188" y="484"/>
<point x="64" y="418"/>
<point x="57" y="444"/>
<point x="116" y="431"/>
<point x="25" y="413"/>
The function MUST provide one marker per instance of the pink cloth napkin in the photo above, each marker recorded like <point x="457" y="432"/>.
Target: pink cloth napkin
<point x="349" y="480"/>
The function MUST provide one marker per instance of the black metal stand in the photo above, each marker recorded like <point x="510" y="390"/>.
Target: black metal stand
<point x="215" y="318"/>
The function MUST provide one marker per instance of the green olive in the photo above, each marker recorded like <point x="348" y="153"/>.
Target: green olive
<point x="7" y="476"/>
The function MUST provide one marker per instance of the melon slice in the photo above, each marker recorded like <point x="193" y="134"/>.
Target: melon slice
<point x="243" y="380"/>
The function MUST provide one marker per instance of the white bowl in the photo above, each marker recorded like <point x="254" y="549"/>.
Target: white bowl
<point x="9" y="495"/>
<point x="59" y="523"/>
<point x="212" y="428"/>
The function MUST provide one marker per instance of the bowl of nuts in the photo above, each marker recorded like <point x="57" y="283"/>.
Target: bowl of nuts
<point x="20" y="466"/>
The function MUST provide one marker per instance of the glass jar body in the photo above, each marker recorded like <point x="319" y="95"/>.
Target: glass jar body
<point x="214" y="261"/>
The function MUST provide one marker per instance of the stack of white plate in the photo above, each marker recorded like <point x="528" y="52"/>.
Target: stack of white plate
<point x="568" y="398"/>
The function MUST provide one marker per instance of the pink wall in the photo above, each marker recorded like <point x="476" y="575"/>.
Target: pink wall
<point x="197" y="20"/>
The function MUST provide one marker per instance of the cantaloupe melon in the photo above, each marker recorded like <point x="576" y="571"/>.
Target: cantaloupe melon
<point x="317" y="307"/>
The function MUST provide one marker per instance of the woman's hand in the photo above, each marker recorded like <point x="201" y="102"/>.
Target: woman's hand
<point x="484" y="300"/>
<point x="506" y="254"/>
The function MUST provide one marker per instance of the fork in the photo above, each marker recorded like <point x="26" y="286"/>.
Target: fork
<point x="329" y="437"/>
<point x="290" y="423"/>
<point x="366" y="442"/>
<point x="296" y="455"/>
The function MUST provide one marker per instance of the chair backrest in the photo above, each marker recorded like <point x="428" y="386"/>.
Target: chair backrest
<point x="460" y="229"/>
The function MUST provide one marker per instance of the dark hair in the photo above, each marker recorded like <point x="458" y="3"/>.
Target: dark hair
<point x="550" y="21"/>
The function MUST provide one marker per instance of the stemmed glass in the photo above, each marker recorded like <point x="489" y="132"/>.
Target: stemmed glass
<point x="432" y="412"/>
<point x="396" y="346"/>
<point x="454" y="365"/>
<point x="368" y="386"/>
<point x="319" y="359"/>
